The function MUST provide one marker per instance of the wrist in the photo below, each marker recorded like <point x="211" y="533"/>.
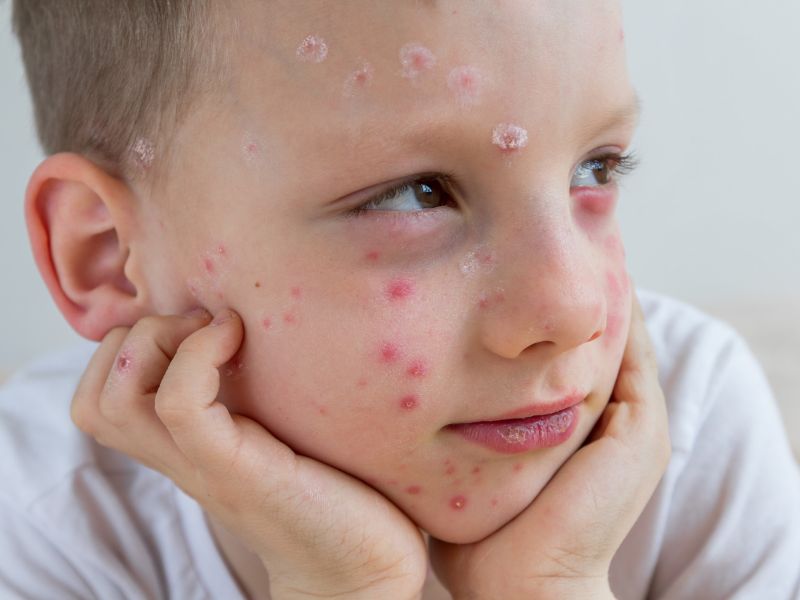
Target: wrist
<point x="552" y="589"/>
<point x="286" y="590"/>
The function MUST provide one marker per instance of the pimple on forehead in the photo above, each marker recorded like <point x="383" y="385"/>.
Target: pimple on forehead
<point x="465" y="82"/>
<point x="416" y="59"/>
<point x="251" y="148"/>
<point x="359" y="79"/>
<point x="313" y="49"/>
<point x="509" y="137"/>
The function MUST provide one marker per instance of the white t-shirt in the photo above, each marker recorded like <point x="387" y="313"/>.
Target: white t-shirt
<point x="81" y="521"/>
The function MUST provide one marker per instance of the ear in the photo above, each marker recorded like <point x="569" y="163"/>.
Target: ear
<point x="79" y="218"/>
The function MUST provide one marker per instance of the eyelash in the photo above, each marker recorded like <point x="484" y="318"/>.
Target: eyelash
<point x="618" y="165"/>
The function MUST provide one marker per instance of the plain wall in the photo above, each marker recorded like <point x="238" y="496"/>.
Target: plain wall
<point x="711" y="215"/>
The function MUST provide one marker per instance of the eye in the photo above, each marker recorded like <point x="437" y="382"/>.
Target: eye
<point x="603" y="170"/>
<point x="420" y="193"/>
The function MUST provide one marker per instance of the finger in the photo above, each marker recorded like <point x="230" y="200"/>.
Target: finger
<point x="142" y="361"/>
<point x="639" y="359"/>
<point x="186" y="402"/>
<point x="84" y="410"/>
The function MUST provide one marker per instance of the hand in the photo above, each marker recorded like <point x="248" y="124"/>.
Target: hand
<point x="561" y="546"/>
<point x="150" y="391"/>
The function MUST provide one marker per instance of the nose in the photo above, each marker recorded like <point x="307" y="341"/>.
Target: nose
<point x="549" y="292"/>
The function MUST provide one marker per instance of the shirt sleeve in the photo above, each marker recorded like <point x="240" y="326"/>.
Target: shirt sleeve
<point x="733" y="528"/>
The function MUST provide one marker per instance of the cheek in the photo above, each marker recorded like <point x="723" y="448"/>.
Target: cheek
<point x="348" y="378"/>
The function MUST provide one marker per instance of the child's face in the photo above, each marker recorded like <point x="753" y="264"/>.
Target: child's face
<point x="368" y="333"/>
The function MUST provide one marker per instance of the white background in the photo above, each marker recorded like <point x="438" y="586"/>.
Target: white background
<point x="711" y="216"/>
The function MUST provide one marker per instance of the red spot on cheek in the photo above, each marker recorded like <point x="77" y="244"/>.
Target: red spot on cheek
<point x="221" y="250"/>
<point x="409" y="402"/>
<point x="389" y="352"/>
<point x="450" y="470"/>
<point x="417" y="368"/>
<point x="373" y="256"/>
<point x="296" y="292"/>
<point x="266" y="323"/>
<point x="399" y="289"/>
<point x="476" y="470"/>
<point x="362" y="383"/>
<point x="208" y="265"/>
<point x="494" y="501"/>
<point x="290" y="318"/>
<point x="517" y="467"/>
<point x="413" y="489"/>
<point x="458" y="502"/>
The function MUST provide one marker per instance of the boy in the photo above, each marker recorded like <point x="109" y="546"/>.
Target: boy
<point x="432" y="322"/>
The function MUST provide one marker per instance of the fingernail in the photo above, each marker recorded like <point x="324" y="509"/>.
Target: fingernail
<point x="221" y="317"/>
<point x="197" y="312"/>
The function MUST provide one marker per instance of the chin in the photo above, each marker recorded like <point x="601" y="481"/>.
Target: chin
<point x="478" y="521"/>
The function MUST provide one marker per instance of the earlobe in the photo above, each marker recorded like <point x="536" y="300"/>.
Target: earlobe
<point x="78" y="218"/>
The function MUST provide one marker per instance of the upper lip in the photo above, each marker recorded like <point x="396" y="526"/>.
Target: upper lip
<point x="538" y="409"/>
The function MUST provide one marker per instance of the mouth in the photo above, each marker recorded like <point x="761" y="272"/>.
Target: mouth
<point x="535" y="426"/>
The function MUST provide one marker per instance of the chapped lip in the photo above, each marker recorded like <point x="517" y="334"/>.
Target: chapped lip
<point x="536" y="410"/>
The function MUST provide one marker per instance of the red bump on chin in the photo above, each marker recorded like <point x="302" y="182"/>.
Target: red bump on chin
<point x="458" y="502"/>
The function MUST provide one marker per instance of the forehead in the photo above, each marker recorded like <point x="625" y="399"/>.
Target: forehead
<point x="354" y="76"/>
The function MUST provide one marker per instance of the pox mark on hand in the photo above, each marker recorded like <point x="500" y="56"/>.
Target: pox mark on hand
<point x="124" y="361"/>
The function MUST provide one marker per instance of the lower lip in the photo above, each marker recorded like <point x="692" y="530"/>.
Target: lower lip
<point x="521" y="435"/>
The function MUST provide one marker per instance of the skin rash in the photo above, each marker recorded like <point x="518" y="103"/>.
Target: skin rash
<point x="365" y="333"/>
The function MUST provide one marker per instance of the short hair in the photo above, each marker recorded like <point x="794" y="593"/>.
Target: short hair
<point x="113" y="79"/>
